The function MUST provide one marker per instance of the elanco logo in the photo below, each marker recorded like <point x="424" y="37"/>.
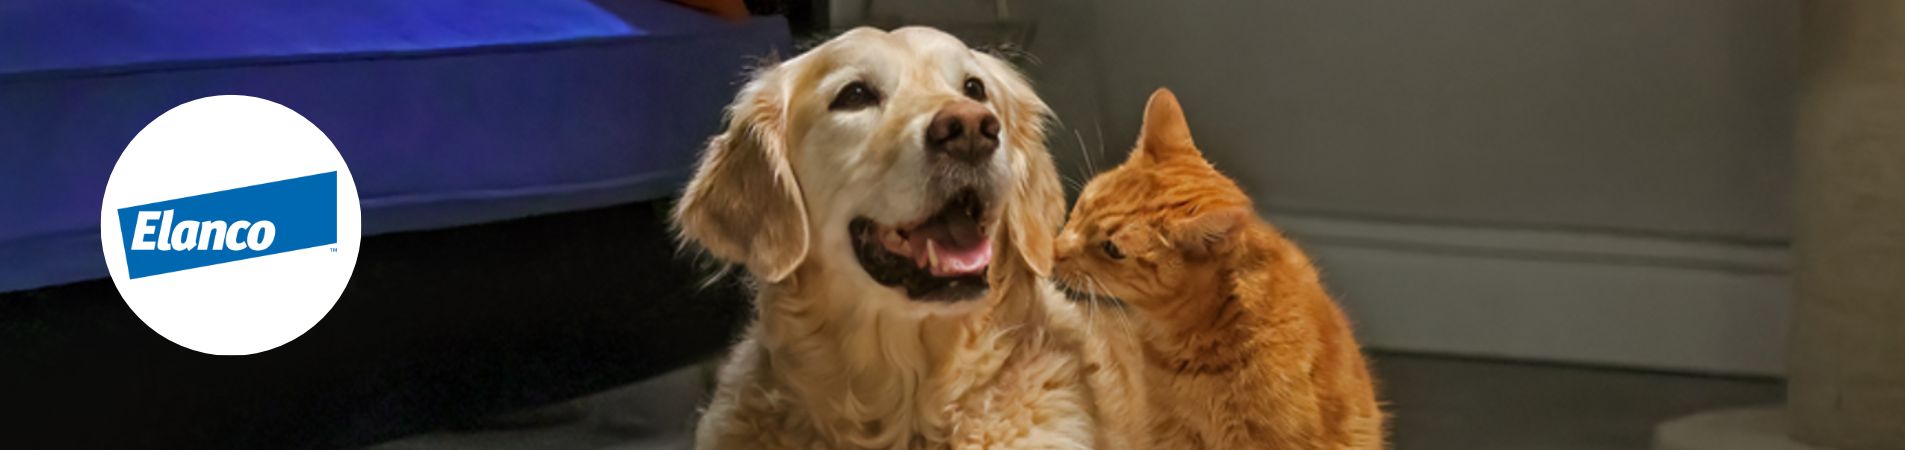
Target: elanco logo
<point x="230" y="225"/>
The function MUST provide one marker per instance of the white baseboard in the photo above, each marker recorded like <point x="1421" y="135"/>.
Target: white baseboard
<point x="1581" y="297"/>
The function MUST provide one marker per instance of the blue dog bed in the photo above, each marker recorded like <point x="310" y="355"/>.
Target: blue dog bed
<point x="448" y="112"/>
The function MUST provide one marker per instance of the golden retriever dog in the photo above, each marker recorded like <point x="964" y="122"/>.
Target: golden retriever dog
<point x="891" y="197"/>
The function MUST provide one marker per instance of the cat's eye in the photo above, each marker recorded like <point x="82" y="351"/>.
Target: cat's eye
<point x="855" y="96"/>
<point x="975" y="89"/>
<point x="1111" y="250"/>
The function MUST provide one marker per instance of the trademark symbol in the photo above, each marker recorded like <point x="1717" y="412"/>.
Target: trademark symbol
<point x="333" y="249"/>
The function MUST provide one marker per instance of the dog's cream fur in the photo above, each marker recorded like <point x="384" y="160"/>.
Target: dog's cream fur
<point x="833" y="359"/>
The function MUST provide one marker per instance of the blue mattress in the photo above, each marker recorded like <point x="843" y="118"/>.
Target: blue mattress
<point x="449" y="112"/>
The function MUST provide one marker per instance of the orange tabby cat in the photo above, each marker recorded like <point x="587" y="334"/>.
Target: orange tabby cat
<point x="1231" y="341"/>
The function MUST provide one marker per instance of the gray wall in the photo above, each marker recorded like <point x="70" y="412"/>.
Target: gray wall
<point x="1595" y="181"/>
<point x="1629" y="115"/>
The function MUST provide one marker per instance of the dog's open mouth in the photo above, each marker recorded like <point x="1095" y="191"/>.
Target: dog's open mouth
<point x="940" y="257"/>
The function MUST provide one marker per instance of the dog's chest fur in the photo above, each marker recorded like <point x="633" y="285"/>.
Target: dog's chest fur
<point x="1001" y="380"/>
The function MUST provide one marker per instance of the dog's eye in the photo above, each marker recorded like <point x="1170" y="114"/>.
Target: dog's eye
<point x="975" y="89"/>
<point x="857" y="95"/>
<point x="1111" y="250"/>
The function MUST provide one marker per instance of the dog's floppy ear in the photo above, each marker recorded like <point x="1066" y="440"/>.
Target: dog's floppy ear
<point x="1036" y="205"/>
<point x="744" y="205"/>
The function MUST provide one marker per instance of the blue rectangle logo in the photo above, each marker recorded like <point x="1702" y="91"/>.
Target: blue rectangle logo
<point x="230" y="225"/>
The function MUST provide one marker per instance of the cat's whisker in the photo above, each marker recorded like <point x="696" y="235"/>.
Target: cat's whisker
<point x="1072" y="182"/>
<point x="1090" y="307"/>
<point x="1094" y="286"/>
<point x="1091" y="319"/>
<point x="1096" y="302"/>
<point x="1083" y="151"/>
<point x="1099" y="129"/>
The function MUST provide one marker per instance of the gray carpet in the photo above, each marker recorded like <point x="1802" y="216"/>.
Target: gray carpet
<point x="1439" y="404"/>
<point x="1451" y="404"/>
<point x="656" y="414"/>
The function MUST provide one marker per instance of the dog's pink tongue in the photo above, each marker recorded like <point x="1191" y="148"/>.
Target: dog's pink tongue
<point x="967" y="261"/>
<point x="951" y="259"/>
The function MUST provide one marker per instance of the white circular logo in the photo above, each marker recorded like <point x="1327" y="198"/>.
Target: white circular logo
<point x="230" y="225"/>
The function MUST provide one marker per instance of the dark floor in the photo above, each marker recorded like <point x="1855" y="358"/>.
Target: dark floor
<point x="1448" y="404"/>
<point x="1439" y="403"/>
<point x="437" y="327"/>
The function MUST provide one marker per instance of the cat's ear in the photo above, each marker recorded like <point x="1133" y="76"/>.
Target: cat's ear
<point x="1166" y="134"/>
<point x="1209" y="232"/>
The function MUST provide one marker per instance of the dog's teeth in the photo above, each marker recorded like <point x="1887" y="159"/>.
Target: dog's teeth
<point x="932" y="253"/>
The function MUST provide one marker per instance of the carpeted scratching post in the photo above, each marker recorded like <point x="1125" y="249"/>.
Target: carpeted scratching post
<point x="1846" y="362"/>
<point x="1846" y="369"/>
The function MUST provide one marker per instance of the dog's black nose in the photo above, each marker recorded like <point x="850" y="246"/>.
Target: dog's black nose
<point x="965" y="131"/>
